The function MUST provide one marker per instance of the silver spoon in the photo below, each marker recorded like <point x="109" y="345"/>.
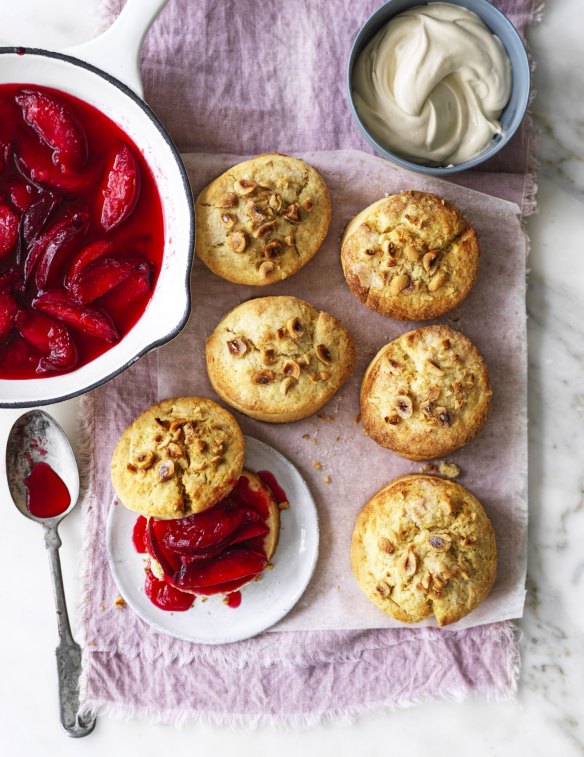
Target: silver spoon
<point x="37" y="437"/>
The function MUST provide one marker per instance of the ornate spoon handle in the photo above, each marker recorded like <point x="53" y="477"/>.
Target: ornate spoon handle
<point x="68" y="652"/>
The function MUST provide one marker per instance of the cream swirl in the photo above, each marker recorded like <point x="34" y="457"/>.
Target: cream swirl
<point x="432" y="83"/>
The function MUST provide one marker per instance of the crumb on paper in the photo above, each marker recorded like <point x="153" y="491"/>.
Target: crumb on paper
<point x="327" y="479"/>
<point x="284" y="505"/>
<point x="269" y="566"/>
<point x="320" y="417"/>
<point x="258" y="577"/>
<point x="330" y="418"/>
<point x="91" y="644"/>
<point x="119" y="601"/>
<point x="356" y="419"/>
<point x="338" y="438"/>
<point x="100" y="607"/>
<point x="204" y="599"/>
<point x="316" y="465"/>
<point x="313" y="440"/>
<point x="429" y="468"/>
<point x="225" y="600"/>
<point x="450" y="470"/>
<point x="306" y="436"/>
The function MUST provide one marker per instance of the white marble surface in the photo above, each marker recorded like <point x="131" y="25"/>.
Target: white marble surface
<point x="549" y="713"/>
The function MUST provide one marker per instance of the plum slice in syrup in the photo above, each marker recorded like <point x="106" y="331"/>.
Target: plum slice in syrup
<point x="8" y="311"/>
<point x="81" y="232"/>
<point x="88" y="320"/>
<point x="51" y="338"/>
<point x="57" y="127"/>
<point x="121" y="189"/>
<point x="8" y="230"/>
<point x="103" y="276"/>
<point x="35" y="217"/>
<point x="58" y="246"/>
<point x="88" y="255"/>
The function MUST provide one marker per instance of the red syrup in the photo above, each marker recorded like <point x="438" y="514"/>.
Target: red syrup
<point x="233" y="600"/>
<point x="165" y="596"/>
<point x="272" y="483"/>
<point x="139" y="534"/>
<point x="81" y="232"/>
<point x="213" y="552"/>
<point x="47" y="494"/>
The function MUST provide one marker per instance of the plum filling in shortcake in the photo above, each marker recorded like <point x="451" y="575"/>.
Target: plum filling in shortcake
<point x="214" y="552"/>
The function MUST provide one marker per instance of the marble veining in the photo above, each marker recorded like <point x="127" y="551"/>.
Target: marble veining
<point x="548" y="717"/>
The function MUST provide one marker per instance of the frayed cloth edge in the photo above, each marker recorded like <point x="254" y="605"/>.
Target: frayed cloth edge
<point x="506" y="691"/>
<point x="283" y="721"/>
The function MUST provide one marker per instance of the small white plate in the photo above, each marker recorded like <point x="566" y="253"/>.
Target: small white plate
<point x="263" y="602"/>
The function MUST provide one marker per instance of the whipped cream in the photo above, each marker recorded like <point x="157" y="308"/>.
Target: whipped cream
<point x="432" y="83"/>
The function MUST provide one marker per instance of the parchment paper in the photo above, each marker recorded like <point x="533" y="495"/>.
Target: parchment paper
<point x="494" y="465"/>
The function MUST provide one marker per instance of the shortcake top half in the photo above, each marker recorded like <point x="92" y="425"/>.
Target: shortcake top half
<point x="179" y="457"/>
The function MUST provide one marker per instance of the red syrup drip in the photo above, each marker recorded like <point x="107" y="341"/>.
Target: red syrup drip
<point x="233" y="599"/>
<point x="47" y="495"/>
<point x="213" y="552"/>
<point x="139" y="534"/>
<point x="165" y="596"/>
<point x="70" y="179"/>
<point x="272" y="483"/>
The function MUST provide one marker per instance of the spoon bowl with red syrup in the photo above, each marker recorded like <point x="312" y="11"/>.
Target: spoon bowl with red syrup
<point x="43" y="479"/>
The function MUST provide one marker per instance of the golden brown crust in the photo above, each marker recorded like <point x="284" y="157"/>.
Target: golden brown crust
<point x="426" y="393"/>
<point x="424" y="546"/>
<point x="278" y="359"/>
<point x="262" y="220"/>
<point x="178" y="458"/>
<point x="411" y="256"/>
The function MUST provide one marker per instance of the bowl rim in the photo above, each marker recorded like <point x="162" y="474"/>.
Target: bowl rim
<point x="489" y="151"/>
<point x="188" y="196"/>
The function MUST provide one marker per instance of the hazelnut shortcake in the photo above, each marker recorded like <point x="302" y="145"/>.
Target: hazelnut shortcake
<point x="179" y="457"/>
<point x="278" y="359"/>
<point x="262" y="220"/>
<point x="206" y="525"/>
<point x="422" y="547"/>
<point x="411" y="256"/>
<point x="426" y="393"/>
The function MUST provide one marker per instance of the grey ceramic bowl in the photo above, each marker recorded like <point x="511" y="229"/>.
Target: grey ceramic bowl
<point x="521" y="80"/>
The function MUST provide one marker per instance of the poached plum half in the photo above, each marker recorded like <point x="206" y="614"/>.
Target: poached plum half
<point x="81" y="232"/>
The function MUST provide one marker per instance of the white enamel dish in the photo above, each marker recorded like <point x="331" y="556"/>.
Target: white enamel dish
<point x="264" y="602"/>
<point x="119" y="98"/>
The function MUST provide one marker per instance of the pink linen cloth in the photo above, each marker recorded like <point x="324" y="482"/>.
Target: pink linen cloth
<point x="246" y="77"/>
<point x="253" y="76"/>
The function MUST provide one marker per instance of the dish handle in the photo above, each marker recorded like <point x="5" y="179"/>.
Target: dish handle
<point x="117" y="50"/>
